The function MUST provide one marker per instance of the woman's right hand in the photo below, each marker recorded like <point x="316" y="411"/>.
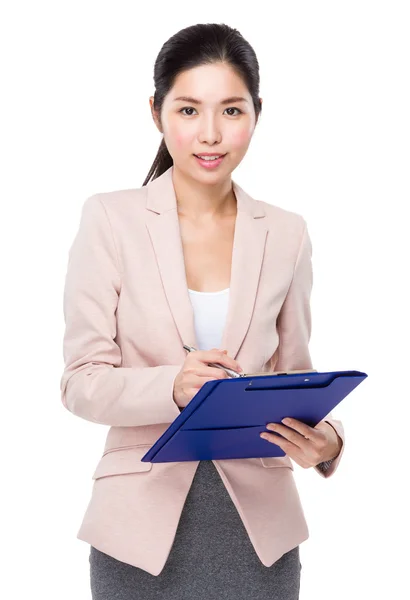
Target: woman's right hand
<point x="195" y="372"/>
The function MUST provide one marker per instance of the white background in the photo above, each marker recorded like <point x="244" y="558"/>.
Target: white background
<point x="332" y="144"/>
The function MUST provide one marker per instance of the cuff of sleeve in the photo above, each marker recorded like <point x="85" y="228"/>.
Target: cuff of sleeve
<point x="324" y="466"/>
<point x="327" y="468"/>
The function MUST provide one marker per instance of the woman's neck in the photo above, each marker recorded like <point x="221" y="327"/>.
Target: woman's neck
<point x="203" y="201"/>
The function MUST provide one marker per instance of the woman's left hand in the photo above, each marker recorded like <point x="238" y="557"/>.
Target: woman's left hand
<point x="306" y="445"/>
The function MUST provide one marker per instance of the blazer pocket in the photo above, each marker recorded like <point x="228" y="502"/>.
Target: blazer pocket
<point x="120" y="461"/>
<point x="276" y="461"/>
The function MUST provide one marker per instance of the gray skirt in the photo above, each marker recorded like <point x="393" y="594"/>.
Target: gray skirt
<point x="211" y="558"/>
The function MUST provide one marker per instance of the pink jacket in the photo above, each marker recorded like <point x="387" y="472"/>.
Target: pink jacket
<point x="127" y="313"/>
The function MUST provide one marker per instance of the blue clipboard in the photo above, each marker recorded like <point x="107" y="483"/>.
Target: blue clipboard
<point x="225" y="418"/>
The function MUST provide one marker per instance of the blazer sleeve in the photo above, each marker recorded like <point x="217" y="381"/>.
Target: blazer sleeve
<point x="93" y="385"/>
<point x="294" y="326"/>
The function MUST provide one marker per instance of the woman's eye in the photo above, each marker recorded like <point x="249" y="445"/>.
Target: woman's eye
<point x="191" y="108"/>
<point x="234" y="108"/>
<point x="186" y="108"/>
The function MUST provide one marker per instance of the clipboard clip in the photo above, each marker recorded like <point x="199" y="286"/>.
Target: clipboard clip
<point x="262" y="373"/>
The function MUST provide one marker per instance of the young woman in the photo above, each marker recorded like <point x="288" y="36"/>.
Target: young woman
<point x="191" y="258"/>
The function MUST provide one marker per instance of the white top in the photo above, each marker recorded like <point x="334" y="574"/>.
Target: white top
<point x="210" y="310"/>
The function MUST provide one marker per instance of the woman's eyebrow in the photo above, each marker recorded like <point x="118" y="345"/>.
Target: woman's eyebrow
<point x="195" y="101"/>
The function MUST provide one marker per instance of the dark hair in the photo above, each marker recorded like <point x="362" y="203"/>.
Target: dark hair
<point x="193" y="46"/>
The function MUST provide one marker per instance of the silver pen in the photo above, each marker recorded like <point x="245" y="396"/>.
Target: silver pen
<point x="230" y="372"/>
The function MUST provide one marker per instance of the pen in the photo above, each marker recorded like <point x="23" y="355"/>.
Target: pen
<point x="230" y="372"/>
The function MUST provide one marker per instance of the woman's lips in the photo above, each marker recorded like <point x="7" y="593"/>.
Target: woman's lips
<point x="210" y="164"/>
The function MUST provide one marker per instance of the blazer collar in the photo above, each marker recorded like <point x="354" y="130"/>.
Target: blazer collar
<point x="247" y="257"/>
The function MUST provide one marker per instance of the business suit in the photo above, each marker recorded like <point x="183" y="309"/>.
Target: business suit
<point x="127" y="313"/>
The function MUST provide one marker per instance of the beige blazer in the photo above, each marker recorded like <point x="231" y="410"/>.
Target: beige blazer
<point x="127" y="313"/>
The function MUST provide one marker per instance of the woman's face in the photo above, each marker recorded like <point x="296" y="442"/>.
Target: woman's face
<point x="209" y="125"/>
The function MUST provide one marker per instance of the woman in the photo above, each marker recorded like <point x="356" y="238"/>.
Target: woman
<point x="191" y="258"/>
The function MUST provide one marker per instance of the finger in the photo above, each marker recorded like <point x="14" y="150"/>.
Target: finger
<point x="212" y="372"/>
<point x="204" y="371"/>
<point x="291" y="435"/>
<point x="308" y="450"/>
<point x="200" y="382"/>
<point x="302" y="428"/>
<point x="219" y="356"/>
<point x="293" y="451"/>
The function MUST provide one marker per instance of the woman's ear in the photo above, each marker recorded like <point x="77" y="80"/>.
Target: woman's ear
<point x="154" y="114"/>
<point x="260" y="101"/>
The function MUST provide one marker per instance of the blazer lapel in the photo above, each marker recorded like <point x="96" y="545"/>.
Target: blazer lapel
<point x="247" y="257"/>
